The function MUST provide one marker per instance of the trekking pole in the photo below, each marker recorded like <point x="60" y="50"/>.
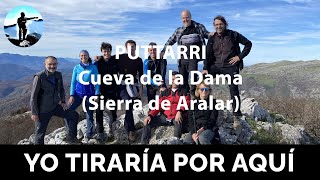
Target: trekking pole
<point x="195" y="127"/>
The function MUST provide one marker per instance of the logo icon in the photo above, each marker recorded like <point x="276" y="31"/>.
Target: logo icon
<point x="23" y="26"/>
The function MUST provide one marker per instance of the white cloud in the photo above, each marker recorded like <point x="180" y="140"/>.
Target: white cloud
<point x="62" y="45"/>
<point x="297" y="1"/>
<point x="294" y="36"/>
<point x="74" y="25"/>
<point x="273" y="53"/>
<point x="98" y="14"/>
<point x="215" y="3"/>
<point x="83" y="9"/>
<point x="259" y="12"/>
<point x="264" y="42"/>
<point x="237" y="16"/>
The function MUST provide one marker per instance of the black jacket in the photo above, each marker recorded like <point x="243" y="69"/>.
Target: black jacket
<point x="130" y="66"/>
<point x="202" y="118"/>
<point x="111" y="67"/>
<point x="221" y="48"/>
<point x="46" y="94"/>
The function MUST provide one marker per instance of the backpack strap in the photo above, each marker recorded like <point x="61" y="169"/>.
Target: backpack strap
<point x="235" y="42"/>
<point x="209" y="51"/>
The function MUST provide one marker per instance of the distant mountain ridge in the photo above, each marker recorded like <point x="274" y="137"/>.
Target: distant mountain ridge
<point x="14" y="72"/>
<point x="35" y="62"/>
<point x="283" y="78"/>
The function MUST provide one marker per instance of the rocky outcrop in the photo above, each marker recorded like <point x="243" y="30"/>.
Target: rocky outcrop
<point x="288" y="134"/>
<point x="252" y="111"/>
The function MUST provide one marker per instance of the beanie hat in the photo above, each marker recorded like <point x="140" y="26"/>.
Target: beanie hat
<point x="84" y="51"/>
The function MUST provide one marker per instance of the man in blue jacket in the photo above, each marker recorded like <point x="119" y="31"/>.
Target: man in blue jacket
<point x="156" y="66"/>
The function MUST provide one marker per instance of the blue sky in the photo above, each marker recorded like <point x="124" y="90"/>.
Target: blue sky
<point x="279" y="29"/>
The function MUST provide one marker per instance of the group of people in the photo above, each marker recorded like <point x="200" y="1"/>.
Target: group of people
<point x="223" y="56"/>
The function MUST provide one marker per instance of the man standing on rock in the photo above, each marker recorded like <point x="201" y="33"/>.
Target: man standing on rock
<point x="48" y="99"/>
<point x="22" y="20"/>
<point x="223" y="56"/>
<point x="132" y="67"/>
<point x="107" y="64"/>
<point x="190" y="34"/>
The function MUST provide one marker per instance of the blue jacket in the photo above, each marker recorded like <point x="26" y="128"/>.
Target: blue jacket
<point x="80" y="89"/>
<point x="156" y="67"/>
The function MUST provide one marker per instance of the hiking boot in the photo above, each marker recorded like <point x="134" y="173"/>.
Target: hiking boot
<point x="236" y="122"/>
<point x="86" y="139"/>
<point x="110" y="130"/>
<point x="100" y="137"/>
<point x="71" y="140"/>
<point x="131" y="136"/>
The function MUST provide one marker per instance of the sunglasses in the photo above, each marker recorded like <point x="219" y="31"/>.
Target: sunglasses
<point x="204" y="89"/>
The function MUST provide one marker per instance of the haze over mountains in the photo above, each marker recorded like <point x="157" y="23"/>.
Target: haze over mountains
<point x="16" y="75"/>
<point x="33" y="62"/>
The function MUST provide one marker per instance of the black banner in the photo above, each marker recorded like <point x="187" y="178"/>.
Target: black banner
<point x="126" y="160"/>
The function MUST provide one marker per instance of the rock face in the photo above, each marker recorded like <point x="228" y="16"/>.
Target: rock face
<point x="294" y="135"/>
<point x="164" y="135"/>
<point x="24" y="43"/>
<point x="252" y="109"/>
<point x="288" y="134"/>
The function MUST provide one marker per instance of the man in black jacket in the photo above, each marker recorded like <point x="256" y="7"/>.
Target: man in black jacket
<point x="107" y="64"/>
<point x="48" y="99"/>
<point x="133" y="67"/>
<point x="224" y="57"/>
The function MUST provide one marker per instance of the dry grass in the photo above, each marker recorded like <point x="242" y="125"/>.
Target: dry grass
<point x="297" y="111"/>
<point x="18" y="127"/>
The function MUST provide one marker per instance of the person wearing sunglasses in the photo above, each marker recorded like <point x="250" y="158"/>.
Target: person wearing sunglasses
<point x="201" y="122"/>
